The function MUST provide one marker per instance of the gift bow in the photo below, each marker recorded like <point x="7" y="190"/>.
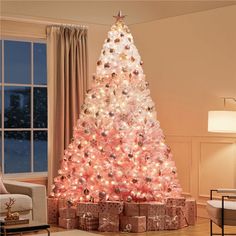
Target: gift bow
<point x="170" y="220"/>
<point x="106" y="222"/>
<point x="87" y="215"/>
<point x="128" y="228"/>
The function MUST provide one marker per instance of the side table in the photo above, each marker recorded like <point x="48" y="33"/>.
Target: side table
<point x="24" y="228"/>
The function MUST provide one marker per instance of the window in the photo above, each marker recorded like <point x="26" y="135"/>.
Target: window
<point x="23" y="106"/>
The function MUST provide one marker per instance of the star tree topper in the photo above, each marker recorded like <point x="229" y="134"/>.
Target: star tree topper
<point x="119" y="17"/>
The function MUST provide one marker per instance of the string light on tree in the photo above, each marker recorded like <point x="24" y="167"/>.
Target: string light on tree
<point x="118" y="150"/>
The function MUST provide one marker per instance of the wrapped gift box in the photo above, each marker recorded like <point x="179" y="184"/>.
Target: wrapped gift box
<point x="87" y="207"/>
<point x="67" y="212"/>
<point x="88" y="222"/>
<point x="151" y="209"/>
<point x="108" y="222"/>
<point x="155" y="223"/>
<point x="62" y="203"/>
<point x="135" y="224"/>
<point x="178" y="201"/>
<point x="52" y="210"/>
<point x="190" y="211"/>
<point x="131" y="209"/>
<point x="111" y="207"/>
<point x="68" y="223"/>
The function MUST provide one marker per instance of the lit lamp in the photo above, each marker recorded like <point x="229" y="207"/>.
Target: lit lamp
<point x="222" y="121"/>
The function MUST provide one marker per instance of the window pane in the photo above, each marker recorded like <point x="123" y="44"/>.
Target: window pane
<point x="17" y="107"/>
<point x="40" y="151"/>
<point x="17" y="62"/>
<point x="0" y="151"/>
<point x="17" y="151"/>
<point x="0" y="61"/>
<point x="40" y="107"/>
<point x="0" y="108"/>
<point x="40" y="64"/>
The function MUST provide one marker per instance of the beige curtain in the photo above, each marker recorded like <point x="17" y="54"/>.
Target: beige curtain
<point x="67" y="59"/>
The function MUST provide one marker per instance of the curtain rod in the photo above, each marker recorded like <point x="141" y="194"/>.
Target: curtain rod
<point x="68" y="25"/>
<point x="39" y="21"/>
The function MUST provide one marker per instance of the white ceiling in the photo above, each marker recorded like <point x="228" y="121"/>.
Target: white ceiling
<point x="101" y="12"/>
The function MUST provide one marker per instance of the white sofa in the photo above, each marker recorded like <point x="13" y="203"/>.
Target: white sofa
<point x="30" y="198"/>
<point x="222" y="211"/>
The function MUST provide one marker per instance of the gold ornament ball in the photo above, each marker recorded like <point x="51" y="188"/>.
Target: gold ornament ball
<point x="132" y="59"/>
<point x="117" y="190"/>
<point x="124" y="69"/>
<point x="123" y="56"/>
<point x="117" y="40"/>
<point x="129" y="199"/>
<point x="110" y="174"/>
<point x="148" y="179"/>
<point x="107" y="65"/>
<point x="102" y="195"/>
<point x="113" y="74"/>
<point x="86" y="192"/>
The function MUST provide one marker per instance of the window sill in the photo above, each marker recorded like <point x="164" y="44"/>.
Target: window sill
<point x="27" y="176"/>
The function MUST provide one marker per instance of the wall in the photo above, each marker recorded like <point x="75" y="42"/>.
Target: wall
<point x="190" y="62"/>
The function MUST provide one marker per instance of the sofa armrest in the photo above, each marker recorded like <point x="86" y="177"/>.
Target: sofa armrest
<point x="226" y="190"/>
<point x="38" y="194"/>
<point x="222" y="191"/>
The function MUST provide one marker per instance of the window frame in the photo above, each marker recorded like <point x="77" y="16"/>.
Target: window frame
<point x="30" y="174"/>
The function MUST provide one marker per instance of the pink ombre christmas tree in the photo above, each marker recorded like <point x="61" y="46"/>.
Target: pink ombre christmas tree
<point x="118" y="150"/>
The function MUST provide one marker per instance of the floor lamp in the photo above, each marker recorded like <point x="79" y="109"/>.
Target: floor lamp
<point x="222" y="121"/>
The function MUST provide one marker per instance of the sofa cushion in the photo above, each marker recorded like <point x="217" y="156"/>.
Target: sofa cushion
<point x="2" y="187"/>
<point x="22" y="203"/>
<point x="214" y="210"/>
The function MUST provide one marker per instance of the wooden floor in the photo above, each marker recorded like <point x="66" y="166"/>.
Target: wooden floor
<point x="200" y="229"/>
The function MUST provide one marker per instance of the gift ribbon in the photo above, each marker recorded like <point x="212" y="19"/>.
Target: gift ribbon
<point x="185" y="218"/>
<point x="68" y="224"/>
<point x="157" y="221"/>
<point x="83" y="222"/>
<point x="182" y="213"/>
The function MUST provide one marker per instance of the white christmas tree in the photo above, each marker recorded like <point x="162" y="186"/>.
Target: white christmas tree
<point x="118" y="151"/>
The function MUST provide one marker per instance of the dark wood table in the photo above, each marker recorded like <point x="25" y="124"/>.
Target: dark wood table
<point x="24" y="228"/>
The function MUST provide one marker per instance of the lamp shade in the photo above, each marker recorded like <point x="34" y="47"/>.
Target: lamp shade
<point x="222" y="121"/>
